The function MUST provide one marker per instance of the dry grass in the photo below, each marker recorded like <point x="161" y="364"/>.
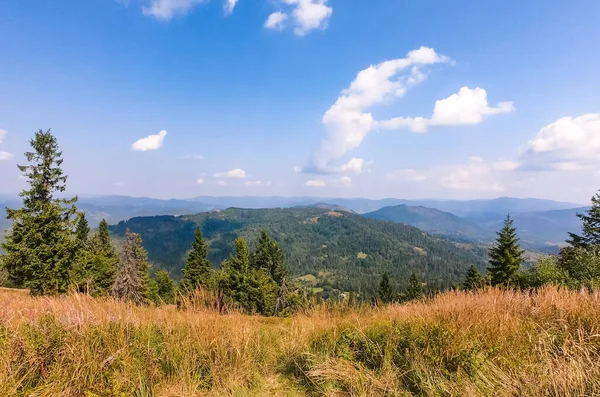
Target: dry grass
<point x="461" y="344"/>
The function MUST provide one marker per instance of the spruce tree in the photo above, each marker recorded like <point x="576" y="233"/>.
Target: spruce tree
<point x="473" y="280"/>
<point x="197" y="271"/>
<point x="590" y="226"/>
<point x="385" y="293"/>
<point x="132" y="278"/>
<point x="415" y="289"/>
<point x="238" y="279"/>
<point x="269" y="256"/>
<point x="506" y="256"/>
<point x="82" y="230"/>
<point x="165" y="287"/>
<point x="40" y="247"/>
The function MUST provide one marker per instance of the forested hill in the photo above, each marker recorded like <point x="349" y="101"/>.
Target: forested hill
<point x="340" y="249"/>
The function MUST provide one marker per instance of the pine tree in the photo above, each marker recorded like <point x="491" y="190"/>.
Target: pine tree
<point x="103" y="239"/>
<point x="269" y="256"/>
<point x="82" y="230"/>
<point x="506" y="256"/>
<point x="132" y="279"/>
<point x="591" y="226"/>
<point x="39" y="247"/>
<point x="473" y="280"/>
<point x="415" y="289"/>
<point x="238" y="279"/>
<point x="385" y="293"/>
<point x="197" y="271"/>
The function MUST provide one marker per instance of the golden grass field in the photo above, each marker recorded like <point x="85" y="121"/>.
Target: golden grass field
<point x="459" y="344"/>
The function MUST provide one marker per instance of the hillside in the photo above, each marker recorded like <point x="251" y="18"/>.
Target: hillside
<point x="338" y="249"/>
<point x="433" y="221"/>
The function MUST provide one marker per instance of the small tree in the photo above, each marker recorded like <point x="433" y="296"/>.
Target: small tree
<point x="132" y="279"/>
<point x="197" y="271"/>
<point x="39" y="247"/>
<point x="506" y="256"/>
<point x="590" y="226"/>
<point x="385" y="293"/>
<point x="473" y="280"/>
<point x="269" y="256"/>
<point x="415" y="289"/>
<point x="165" y="287"/>
<point x="238" y="280"/>
<point x="82" y="231"/>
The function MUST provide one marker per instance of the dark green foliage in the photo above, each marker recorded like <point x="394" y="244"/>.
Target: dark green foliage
<point x="315" y="241"/>
<point x="385" y="292"/>
<point x="132" y="278"/>
<point x="473" y="280"/>
<point x="590" y="224"/>
<point x="198" y="271"/>
<point x="269" y="257"/>
<point x="40" y="247"/>
<point x="415" y="289"/>
<point x="165" y="287"/>
<point x="506" y="256"/>
<point x="582" y="265"/>
<point x="82" y="230"/>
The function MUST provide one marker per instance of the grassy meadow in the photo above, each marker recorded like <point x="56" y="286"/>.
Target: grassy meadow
<point x="459" y="344"/>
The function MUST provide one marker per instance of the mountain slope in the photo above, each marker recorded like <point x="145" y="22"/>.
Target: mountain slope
<point x="342" y="250"/>
<point x="434" y="221"/>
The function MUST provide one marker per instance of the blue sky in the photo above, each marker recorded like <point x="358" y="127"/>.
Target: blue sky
<point x="387" y="98"/>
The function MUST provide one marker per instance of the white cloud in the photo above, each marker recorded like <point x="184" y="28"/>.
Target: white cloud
<point x="344" y="181"/>
<point x="348" y="121"/>
<point x="355" y="165"/>
<point x="507" y="165"/>
<point x="2" y="134"/>
<point x="151" y="142"/>
<point x="467" y="107"/>
<point x="276" y="20"/>
<point x="237" y="173"/>
<point x="200" y="181"/>
<point x="229" y="6"/>
<point x="192" y="156"/>
<point x="165" y="10"/>
<point x="6" y="156"/>
<point x="568" y="144"/>
<point x="309" y="15"/>
<point x="407" y="174"/>
<point x="315" y="183"/>
<point x="221" y="183"/>
<point x="257" y="183"/>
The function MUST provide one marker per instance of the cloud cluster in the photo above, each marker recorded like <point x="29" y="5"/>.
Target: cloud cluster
<point x="4" y="155"/>
<point x="349" y="121"/>
<point x="229" y="6"/>
<point x="306" y="15"/>
<point x="151" y="142"/>
<point x="236" y="173"/>
<point x="467" y="107"/>
<point x="568" y="144"/>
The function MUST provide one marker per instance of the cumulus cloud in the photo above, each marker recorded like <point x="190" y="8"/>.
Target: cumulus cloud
<point x="568" y="144"/>
<point x="315" y="183"/>
<point x="406" y="174"/>
<point x="475" y="175"/>
<point x="237" y="173"/>
<point x="349" y="121"/>
<point x="506" y="165"/>
<point x="221" y="183"/>
<point x="165" y="10"/>
<point x="229" y="5"/>
<point x="276" y="20"/>
<point x="200" y="181"/>
<point x="151" y="142"/>
<point x="467" y="107"/>
<point x="257" y="183"/>
<point x="344" y="181"/>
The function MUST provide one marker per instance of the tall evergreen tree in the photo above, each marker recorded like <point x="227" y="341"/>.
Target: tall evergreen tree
<point x="385" y="292"/>
<point x="590" y="226"/>
<point x="197" y="271"/>
<point x="269" y="256"/>
<point x="103" y="239"/>
<point x="165" y="287"/>
<point x="506" y="256"/>
<point x="238" y="279"/>
<point x="473" y="280"/>
<point x="415" y="289"/>
<point x="132" y="278"/>
<point x="40" y="247"/>
<point x="82" y="230"/>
